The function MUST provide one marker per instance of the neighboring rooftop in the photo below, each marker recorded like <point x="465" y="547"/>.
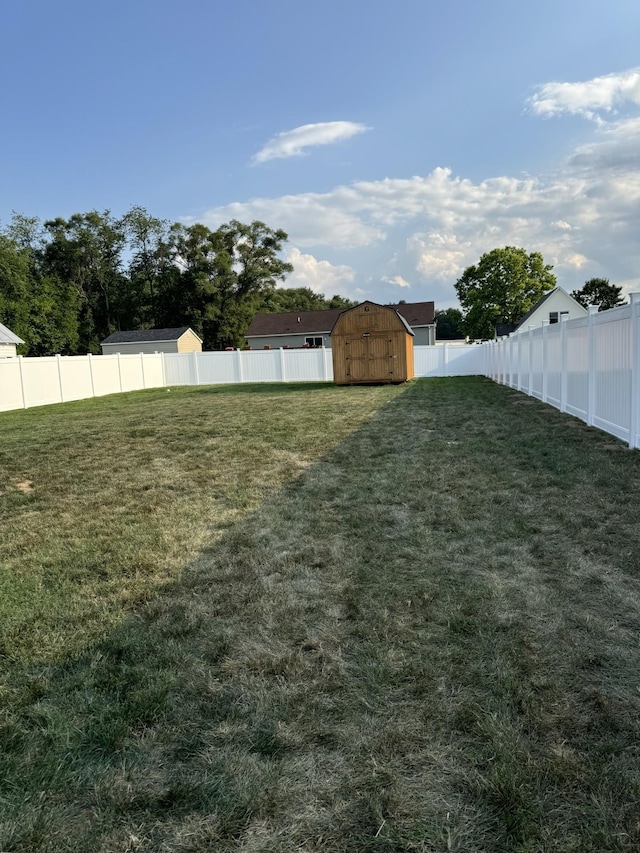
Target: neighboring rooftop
<point x="303" y="322"/>
<point x="139" y="335"/>
<point x="8" y="337"/>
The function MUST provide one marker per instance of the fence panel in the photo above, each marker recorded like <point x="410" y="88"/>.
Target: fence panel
<point x="75" y="377"/>
<point x="612" y="344"/>
<point x="10" y="384"/>
<point x="588" y="367"/>
<point x="578" y="367"/>
<point x="313" y="365"/>
<point x="41" y="381"/>
<point x="457" y="360"/>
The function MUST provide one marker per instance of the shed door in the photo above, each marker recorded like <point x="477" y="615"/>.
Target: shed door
<point x="369" y="358"/>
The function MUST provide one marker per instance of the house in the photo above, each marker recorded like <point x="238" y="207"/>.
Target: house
<point x="182" y="339"/>
<point x="551" y="308"/>
<point x="371" y="344"/>
<point x="8" y="342"/>
<point x="313" y="328"/>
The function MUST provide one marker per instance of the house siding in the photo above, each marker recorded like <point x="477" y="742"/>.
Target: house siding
<point x="558" y="301"/>
<point x="189" y="342"/>
<point x="7" y="350"/>
<point x="277" y="341"/>
<point x="142" y="346"/>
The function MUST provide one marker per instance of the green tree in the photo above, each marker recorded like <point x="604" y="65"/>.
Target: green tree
<point x="85" y="251"/>
<point x="598" y="291"/>
<point x="501" y="288"/>
<point x="215" y="279"/>
<point x="140" y="296"/>
<point x="40" y="309"/>
<point x="284" y="299"/>
<point x="449" y="324"/>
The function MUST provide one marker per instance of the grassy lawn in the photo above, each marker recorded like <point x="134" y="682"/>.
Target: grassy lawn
<point x="310" y="618"/>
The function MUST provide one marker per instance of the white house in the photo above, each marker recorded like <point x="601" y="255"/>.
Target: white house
<point x="8" y="342"/>
<point x="551" y="308"/>
<point x="182" y="339"/>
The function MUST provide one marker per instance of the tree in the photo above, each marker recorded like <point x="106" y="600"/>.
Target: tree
<point x="223" y="275"/>
<point x="300" y="299"/>
<point x="85" y="251"/>
<point x="448" y="324"/>
<point x="40" y="309"/>
<point x="501" y="288"/>
<point x="598" y="291"/>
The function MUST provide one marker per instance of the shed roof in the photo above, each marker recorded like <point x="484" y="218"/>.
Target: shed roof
<point x="8" y="337"/>
<point x="387" y="307"/>
<point x="317" y="322"/>
<point x="138" y="336"/>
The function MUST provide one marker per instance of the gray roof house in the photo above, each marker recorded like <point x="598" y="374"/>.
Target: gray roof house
<point x="8" y="342"/>
<point x="181" y="339"/>
<point x="313" y="328"/>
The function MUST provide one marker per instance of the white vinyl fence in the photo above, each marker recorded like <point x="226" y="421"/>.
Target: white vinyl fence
<point x="26" y="382"/>
<point x="588" y="367"/>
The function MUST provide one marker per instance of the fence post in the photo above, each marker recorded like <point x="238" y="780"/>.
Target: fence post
<point x="545" y="360"/>
<point x="93" y="387"/>
<point x="591" y="370"/>
<point x="22" y="388"/>
<point x="634" y="426"/>
<point x="282" y="366"/>
<point x="58" y="363"/>
<point x="530" y="389"/>
<point x="119" y="372"/>
<point x="325" y="362"/>
<point x="564" y="367"/>
<point x="144" y="383"/>
<point x="194" y="359"/>
<point x="239" y="360"/>
<point x="445" y="360"/>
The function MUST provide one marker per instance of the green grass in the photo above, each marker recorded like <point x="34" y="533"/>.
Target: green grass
<point x="318" y="619"/>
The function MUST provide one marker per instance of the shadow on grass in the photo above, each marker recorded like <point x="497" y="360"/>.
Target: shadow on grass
<point x="419" y="644"/>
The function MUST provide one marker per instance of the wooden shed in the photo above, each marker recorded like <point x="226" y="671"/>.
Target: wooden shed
<point x="371" y="344"/>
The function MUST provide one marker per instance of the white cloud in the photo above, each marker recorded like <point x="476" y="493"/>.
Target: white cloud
<point x="319" y="276"/>
<point x="582" y="218"/>
<point x="293" y="143"/>
<point x="397" y="280"/>
<point x="602" y="94"/>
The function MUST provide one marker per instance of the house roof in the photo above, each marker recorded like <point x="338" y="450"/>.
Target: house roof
<point x="540" y="302"/>
<point x="543" y="299"/>
<point x="321" y="322"/>
<point x="8" y="337"/>
<point x="138" y="336"/>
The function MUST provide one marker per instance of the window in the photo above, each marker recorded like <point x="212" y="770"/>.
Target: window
<point x="556" y="316"/>
<point x="313" y="342"/>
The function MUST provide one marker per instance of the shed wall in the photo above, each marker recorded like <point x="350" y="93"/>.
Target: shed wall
<point x="371" y="344"/>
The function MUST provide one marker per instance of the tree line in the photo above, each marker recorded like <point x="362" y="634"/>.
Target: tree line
<point x="66" y="284"/>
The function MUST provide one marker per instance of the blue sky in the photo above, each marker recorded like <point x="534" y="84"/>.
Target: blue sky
<point x="394" y="142"/>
